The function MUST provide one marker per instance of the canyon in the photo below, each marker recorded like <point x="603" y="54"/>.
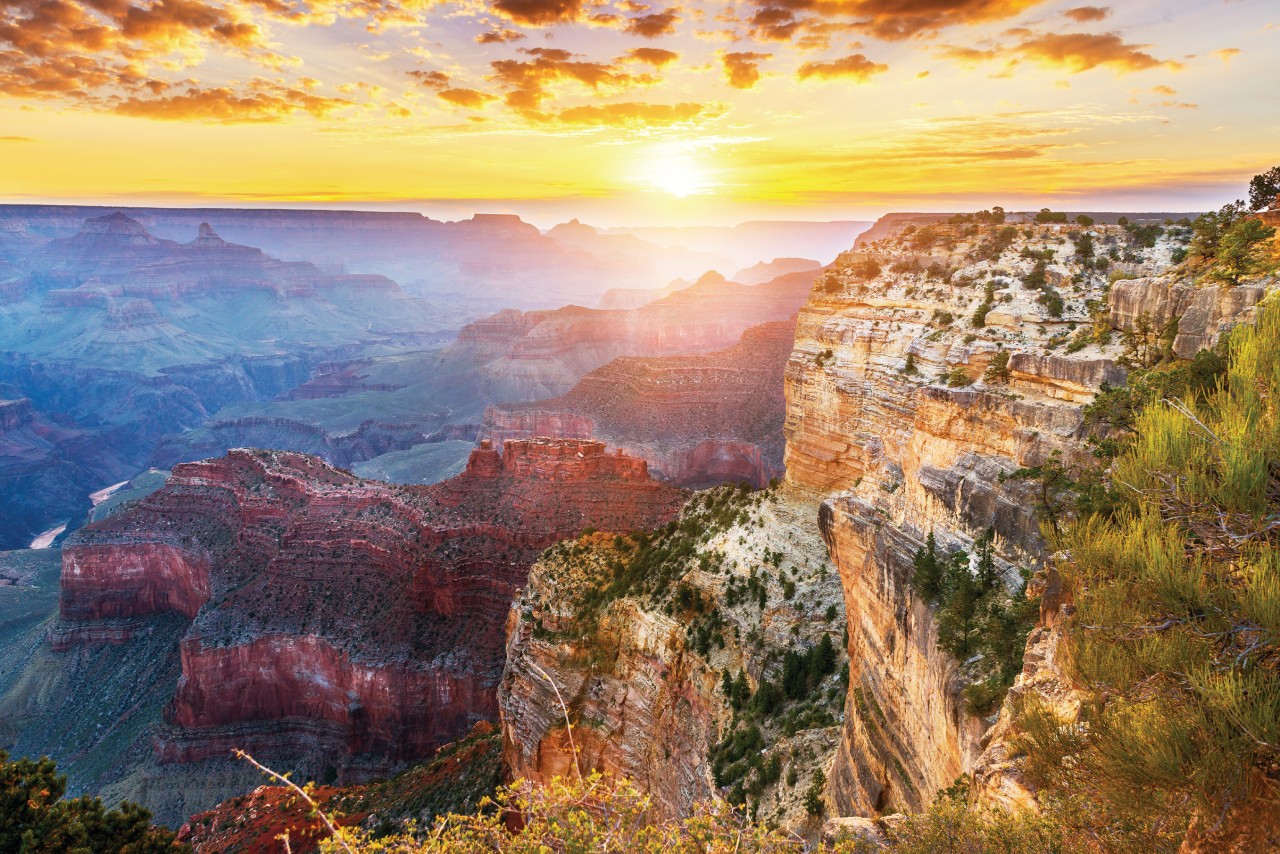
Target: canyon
<point x="927" y="373"/>
<point x="698" y="420"/>
<point x="412" y="403"/>
<point x="346" y="626"/>
<point x="136" y="349"/>
<point x="761" y="641"/>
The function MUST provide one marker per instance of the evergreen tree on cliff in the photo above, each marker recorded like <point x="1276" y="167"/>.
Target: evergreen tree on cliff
<point x="35" y="819"/>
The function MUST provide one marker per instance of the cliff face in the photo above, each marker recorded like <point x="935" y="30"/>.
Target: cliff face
<point x="333" y="615"/>
<point x="896" y="426"/>
<point x="637" y="635"/>
<point x="697" y="420"/>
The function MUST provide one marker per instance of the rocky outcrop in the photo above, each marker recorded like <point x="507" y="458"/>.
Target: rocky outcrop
<point x="1202" y="314"/>
<point x="697" y="420"/>
<point x="896" y="426"/>
<point x="642" y="670"/>
<point x="336" y="616"/>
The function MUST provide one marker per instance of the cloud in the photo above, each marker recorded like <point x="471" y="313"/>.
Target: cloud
<point x="540" y="12"/>
<point x="742" y="69"/>
<point x="633" y="114"/>
<point x="855" y="66"/>
<point x="1085" y="14"/>
<point x="264" y="101"/>
<point x="471" y="99"/>
<point x="655" y="56"/>
<point x="526" y="80"/>
<point x="16" y="139"/>
<point x="501" y="35"/>
<point x="1077" y="52"/>
<point x="891" y="20"/>
<point x="1227" y="54"/>
<point x="653" y="26"/>
<point x="430" y="79"/>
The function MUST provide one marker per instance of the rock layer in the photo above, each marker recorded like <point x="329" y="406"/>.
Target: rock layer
<point x="895" y="424"/>
<point x="333" y="614"/>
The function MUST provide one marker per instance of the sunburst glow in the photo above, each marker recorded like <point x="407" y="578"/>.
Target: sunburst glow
<point x="678" y="172"/>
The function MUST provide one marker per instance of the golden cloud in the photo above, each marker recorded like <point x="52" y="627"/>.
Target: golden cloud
<point x="1085" y="14"/>
<point x="471" y="99"/>
<point x="855" y="66"/>
<point x="742" y="69"/>
<point x="653" y="26"/>
<point x="655" y="56"/>
<point x="633" y="114"/>
<point x="540" y="12"/>
<point x="891" y="20"/>
<point x="1077" y="52"/>
<point x="501" y="35"/>
<point x="526" y="81"/>
<point x="264" y="101"/>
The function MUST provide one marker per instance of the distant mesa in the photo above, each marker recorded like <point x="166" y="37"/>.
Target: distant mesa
<point x="767" y="271"/>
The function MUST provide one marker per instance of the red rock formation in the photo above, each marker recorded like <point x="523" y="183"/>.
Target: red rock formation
<point x="696" y="419"/>
<point x="335" y="614"/>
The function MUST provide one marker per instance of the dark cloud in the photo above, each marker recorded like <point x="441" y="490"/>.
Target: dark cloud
<point x="1085" y="14"/>
<point x="540" y="12"/>
<point x="655" y="56"/>
<point x="891" y="20"/>
<point x="653" y="26"/>
<point x="501" y="35"/>
<point x="855" y="66"/>
<point x="430" y="79"/>
<point x="742" y="69"/>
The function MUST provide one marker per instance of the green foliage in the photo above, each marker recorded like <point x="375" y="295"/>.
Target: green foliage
<point x="1264" y="189"/>
<point x="1177" y="629"/>
<point x="975" y="616"/>
<point x="910" y="368"/>
<point x="1242" y="250"/>
<point x="1052" y="301"/>
<point x="35" y="819"/>
<point x="1047" y="216"/>
<point x="979" y="318"/>
<point x="593" y="814"/>
<point x="865" y="269"/>
<point x="952" y="826"/>
<point x="1038" y="277"/>
<point x="1144" y="236"/>
<point x="813" y="803"/>
<point x="1208" y="229"/>
<point x="998" y="370"/>
<point x="1084" y="220"/>
<point x="957" y="377"/>
<point x="1116" y="409"/>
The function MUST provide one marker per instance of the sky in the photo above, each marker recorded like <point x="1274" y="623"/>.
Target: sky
<point x="637" y="112"/>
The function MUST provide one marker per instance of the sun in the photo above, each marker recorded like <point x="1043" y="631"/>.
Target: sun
<point x="678" y="172"/>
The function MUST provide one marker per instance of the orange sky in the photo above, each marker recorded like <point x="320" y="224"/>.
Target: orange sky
<point x="638" y="112"/>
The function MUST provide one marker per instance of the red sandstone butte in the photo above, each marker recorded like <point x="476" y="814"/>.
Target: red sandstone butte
<point x="336" y="614"/>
